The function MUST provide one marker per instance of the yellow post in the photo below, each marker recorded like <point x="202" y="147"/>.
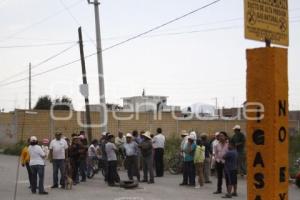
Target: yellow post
<point x="267" y="125"/>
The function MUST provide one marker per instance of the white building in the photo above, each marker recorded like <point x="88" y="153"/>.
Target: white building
<point x="147" y="103"/>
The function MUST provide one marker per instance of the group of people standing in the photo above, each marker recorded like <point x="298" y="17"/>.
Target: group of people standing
<point x="68" y="158"/>
<point x="224" y="155"/>
<point x="142" y="150"/>
<point x="72" y="158"/>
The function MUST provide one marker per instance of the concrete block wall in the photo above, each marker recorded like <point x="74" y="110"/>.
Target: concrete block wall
<point x="39" y="123"/>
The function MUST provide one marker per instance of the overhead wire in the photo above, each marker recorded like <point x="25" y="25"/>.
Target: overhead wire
<point x="36" y="45"/>
<point x="164" y="24"/>
<point x="292" y="20"/>
<point x="105" y="49"/>
<point x="76" y="21"/>
<point x="39" y="64"/>
<point x="39" y="22"/>
<point x="119" y="43"/>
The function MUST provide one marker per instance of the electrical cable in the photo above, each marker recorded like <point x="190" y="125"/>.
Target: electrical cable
<point x="35" y="45"/>
<point x="40" y="63"/>
<point x="118" y="44"/>
<point x="164" y="24"/>
<point x="77" y="22"/>
<point x="39" y="22"/>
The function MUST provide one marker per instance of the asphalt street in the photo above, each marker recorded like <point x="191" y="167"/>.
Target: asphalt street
<point x="164" y="188"/>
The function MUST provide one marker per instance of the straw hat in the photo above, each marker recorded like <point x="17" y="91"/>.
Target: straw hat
<point x="147" y="134"/>
<point x="184" y="133"/>
<point x="190" y="137"/>
<point x="203" y="135"/>
<point x="109" y="136"/>
<point x="33" y="138"/>
<point x="237" y="127"/>
<point x="104" y="133"/>
<point x="129" y="135"/>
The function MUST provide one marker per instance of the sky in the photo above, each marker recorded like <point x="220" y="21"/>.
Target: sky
<point x="194" y="60"/>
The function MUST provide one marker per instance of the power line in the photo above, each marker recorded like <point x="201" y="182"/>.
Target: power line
<point x="292" y="20"/>
<point x="118" y="44"/>
<point x="40" y="21"/>
<point x="54" y="56"/>
<point x="40" y="63"/>
<point x="76" y="21"/>
<point x="115" y="45"/>
<point x="35" y="45"/>
<point x="165" y="24"/>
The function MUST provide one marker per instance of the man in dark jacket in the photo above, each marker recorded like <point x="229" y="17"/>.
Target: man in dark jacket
<point x="74" y="158"/>
<point x="239" y="140"/>
<point x="146" y="150"/>
<point x="208" y="152"/>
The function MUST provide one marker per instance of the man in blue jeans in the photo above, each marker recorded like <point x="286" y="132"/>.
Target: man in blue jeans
<point x="37" y="165"/>
<point x="188" y="164"/>
<point x="57" y="156"/>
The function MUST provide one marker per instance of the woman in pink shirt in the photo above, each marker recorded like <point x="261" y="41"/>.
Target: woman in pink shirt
<point x="220" y="150"/>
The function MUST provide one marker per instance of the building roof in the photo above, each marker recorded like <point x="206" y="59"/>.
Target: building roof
<point x="146" y="96"/>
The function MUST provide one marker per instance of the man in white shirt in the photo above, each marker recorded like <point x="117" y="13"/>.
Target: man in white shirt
<point x="37" y="165"/>
<point x="119" y="142"/>
<point x="92" y="156"/>
<point x="57" y="156"/>
<point x="131" y="152"/>
<point x="214" y="143"/>
<point x="110" y="149"/>
<point x="159" y="146"/>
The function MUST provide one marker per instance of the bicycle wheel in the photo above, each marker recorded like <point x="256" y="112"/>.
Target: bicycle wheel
<point x="103" y="172"/>
<point x="175" y="166"/>
<point x="90" y="174"/>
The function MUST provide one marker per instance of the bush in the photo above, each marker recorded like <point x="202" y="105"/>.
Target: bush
<point x="15" y="149"/>
<point x="172" y="148"/>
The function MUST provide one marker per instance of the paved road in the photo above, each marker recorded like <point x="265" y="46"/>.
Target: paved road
<point x="164" y="188"/>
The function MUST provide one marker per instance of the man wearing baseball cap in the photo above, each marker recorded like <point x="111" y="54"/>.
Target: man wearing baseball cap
<point x="239" y="140"/>
<point x="37" y="165"/>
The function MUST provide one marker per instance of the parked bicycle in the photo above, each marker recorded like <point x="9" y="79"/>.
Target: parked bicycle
<point x="94" y="167"/>
<point x="176" y="164"/>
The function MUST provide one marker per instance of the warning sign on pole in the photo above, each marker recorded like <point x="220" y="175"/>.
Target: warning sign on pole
<point x="267" y="20"/>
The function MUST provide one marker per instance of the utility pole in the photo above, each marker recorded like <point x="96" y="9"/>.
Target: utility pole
<point x="84" y="81"/>
<point x="29" y="101"/>
<point x="100" y="67"/>
<point x="217" y="108"/>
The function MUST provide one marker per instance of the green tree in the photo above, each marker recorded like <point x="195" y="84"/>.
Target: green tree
<point x="63" y="103"/>
<point x="43" y="103"/>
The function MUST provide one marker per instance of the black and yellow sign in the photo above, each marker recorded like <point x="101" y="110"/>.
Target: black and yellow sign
<point x="267" y="125"/>
<point x="267" y="19"/>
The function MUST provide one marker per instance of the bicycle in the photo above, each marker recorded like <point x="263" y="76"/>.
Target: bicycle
<point x="176" y="164"/>
<point x="94" y="167"/>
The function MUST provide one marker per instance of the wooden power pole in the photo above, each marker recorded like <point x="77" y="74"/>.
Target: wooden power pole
<point x="84" y="80"/>
<point x="29" y="97"/>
